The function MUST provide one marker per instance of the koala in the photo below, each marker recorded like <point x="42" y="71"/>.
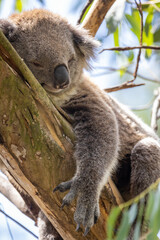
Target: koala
<point x="110" y="139"/>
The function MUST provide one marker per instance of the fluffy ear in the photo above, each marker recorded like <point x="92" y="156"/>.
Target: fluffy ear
<point x="86" y="44"/>
<point x="9" y="29"/>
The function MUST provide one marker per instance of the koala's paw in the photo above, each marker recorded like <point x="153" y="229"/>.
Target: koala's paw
<point x="87" y="209"/>
<point x="87" y="212"/>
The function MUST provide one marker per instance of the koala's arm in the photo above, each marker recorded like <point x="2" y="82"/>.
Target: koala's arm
<point x="96" y="149"/>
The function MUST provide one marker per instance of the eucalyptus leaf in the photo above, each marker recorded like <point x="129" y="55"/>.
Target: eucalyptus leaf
<point x="85" y="13"/>
<point x="18" y="5"/>
<point x="112" y="222"/>
<point x="124" y="227"/>
<point x="116" y="37"/>
<point x="137" y="229"/>
<point x="133" y="213"/>
<point x="148" y="38"/>
<point x="115" y="15"/>
<point x="135" y="22"/>
<point x="156" y="35"/>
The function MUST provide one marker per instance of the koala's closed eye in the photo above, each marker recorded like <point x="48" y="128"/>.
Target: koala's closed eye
<point x="71" y="60"/>
<point x="36" y="64"/>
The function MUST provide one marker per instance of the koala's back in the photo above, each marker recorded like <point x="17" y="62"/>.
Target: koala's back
<point x="131" y="128"/>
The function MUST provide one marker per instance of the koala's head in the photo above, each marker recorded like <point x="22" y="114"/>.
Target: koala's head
<point x="55" y="51"/>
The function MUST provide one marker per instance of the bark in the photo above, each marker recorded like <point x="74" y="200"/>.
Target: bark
<point x="37" y="142"/>
<point x="96" y="15"/>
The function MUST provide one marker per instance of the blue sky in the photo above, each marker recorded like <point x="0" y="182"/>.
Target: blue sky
<point x="61" y="7"/>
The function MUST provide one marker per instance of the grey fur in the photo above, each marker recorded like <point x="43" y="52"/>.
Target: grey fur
<point x="110" y="140"/>
<point x="46" y="230"/>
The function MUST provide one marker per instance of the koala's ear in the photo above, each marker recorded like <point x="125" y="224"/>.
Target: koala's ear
<point x="86" y="44"/>
<point x="9" y="29"/>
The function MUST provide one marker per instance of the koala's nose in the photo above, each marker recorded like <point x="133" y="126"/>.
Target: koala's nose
<point x="61" y="77"/>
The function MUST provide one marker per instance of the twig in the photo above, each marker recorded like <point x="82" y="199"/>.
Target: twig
<point x="18" y="223"/>
<point x="125" y="85"/>
<point x="155" y="109"/>
<point x="141" y="39"/>
<point x="130" y="48"/>
<point x="127" y="71"/>
<point x="84" y="10"/>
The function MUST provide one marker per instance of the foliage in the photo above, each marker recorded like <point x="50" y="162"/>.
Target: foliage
<point x="143" y="213"/>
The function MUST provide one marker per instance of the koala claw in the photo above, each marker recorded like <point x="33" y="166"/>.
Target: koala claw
<point x="87" y="229"/>
<point x="78" y="227"/>
<point x="64" y="186"/>
<point x="87" y="209"/>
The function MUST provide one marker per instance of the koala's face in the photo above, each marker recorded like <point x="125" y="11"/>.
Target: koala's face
<point x="55" y="51"/>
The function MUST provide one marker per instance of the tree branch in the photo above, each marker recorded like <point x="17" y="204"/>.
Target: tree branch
<point x="130" y="48"/>
<point x="125" y="85"/>
<point x="112" y="69"/>
<point x="96" y="14"/>
<point x="13" y="196"/>
<point x="155" y="110"/>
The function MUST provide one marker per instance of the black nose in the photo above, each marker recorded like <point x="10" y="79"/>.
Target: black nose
<point x="61" y="77"/>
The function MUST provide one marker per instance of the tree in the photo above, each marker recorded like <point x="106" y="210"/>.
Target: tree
<point x="27" y="157"/>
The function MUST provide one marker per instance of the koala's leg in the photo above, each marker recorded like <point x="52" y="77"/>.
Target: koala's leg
<point x="145" y="165"/>
<point x="145" y="168"/>
<point x="96" y="150"/>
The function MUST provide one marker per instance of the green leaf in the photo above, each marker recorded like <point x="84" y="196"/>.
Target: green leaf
<point x="135" y="22"/>
<point x="146" y="6"/>
<point x="124" y="227"/>
<point x="156" y="36"/>
<point x="155" y="214"/>
<point x="18" y="5"/>
<point x="130" y="56"/>
<point x="85" y="13"/>
<point x="116" y="37"/>
<point x="133" y="213"/>
<point x="115" y="15"/>
<point x="122" y="72"/>
<point x="150" y="203"/>
<point x="137" y="229"/>
<point x="115" y="212"/>
<point x="147" y="33"/>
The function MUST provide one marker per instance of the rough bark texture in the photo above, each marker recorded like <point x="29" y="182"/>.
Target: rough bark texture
<point x="35" y="156"/>
<point x="37" y="145"/>
<point x="96" y="15"/>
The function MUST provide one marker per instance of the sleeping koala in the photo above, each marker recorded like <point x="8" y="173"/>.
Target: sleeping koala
<point x="110" y="140"/>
